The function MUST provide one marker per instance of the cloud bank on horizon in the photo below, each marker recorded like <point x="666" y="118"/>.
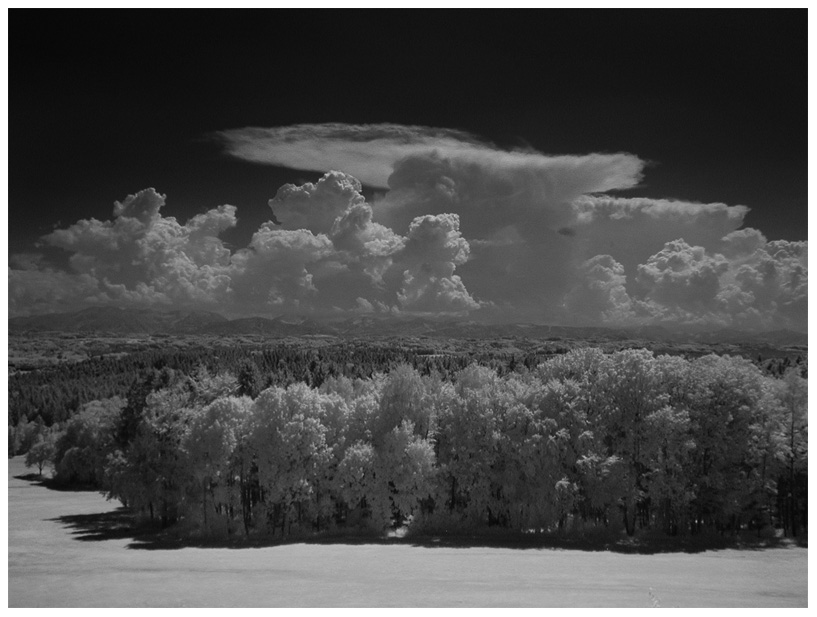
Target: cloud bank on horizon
<point x="461" y="227"/>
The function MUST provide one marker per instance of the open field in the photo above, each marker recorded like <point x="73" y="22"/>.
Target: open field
<point x="58" y="558"/>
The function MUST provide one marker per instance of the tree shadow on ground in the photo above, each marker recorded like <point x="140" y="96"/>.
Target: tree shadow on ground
<point x="29" y="477"/>
<point x="114" y="525"/>
<point x="52" y="484"/>
<point x="122" y="524"/>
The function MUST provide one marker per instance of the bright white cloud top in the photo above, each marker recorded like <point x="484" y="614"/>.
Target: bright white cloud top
<point x="463" y="228"/>
<point x="371" y="153"/>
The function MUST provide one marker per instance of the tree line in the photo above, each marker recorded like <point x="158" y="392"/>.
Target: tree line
<point x="583" y="441"/>
<point x="55" y="393"/>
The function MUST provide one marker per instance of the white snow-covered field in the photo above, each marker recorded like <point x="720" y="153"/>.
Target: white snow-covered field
<point x="51" y="565"/>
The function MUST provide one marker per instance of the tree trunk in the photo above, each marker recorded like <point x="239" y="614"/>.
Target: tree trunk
<point x="792" y="500"/>
<point x="629" y="518"/>
<point x="792" y="489"/>
<point x="204" y="505"/>
<point x="245" y="501"/>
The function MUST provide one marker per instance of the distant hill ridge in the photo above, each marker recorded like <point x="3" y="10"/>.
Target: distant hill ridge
<point x="119" y="321"/>
<point x="151" y="321"/>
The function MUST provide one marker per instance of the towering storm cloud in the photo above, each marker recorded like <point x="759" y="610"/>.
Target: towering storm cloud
<point x="458" y="226"/>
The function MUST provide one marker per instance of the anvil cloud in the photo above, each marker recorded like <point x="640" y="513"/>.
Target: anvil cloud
<point x="370" y="152"/>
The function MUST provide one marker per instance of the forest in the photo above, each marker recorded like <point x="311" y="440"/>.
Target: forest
<point x="54" y="393"/>
<point x="282" y="446"/>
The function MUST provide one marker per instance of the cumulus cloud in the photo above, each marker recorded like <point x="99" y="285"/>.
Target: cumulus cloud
<point x="741" y="244"/>
<point x="433" y="250"/>
<point x="141" y="256"/>
<point x="464" y="227"/>
<point x="600" y="293"/>
<point x="359" y="253"/>
<point x="633" y="229"/>
<point x="753" y="284"/>
<point x="683" y="278"/>
<point x="328" y="255"/>
<point x="274" y="270"/>
<point x="768" y="287"/>
<point x="513" y="207"/>
<point x="316" y="206"/>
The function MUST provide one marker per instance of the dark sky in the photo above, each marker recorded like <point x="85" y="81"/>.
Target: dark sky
<point x="105" y="103"/>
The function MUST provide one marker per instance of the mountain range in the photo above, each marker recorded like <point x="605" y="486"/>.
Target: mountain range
<point x="150" y="321"/>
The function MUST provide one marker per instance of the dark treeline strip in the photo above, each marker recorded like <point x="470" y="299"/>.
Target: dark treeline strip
<point x="585" y="441"/>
